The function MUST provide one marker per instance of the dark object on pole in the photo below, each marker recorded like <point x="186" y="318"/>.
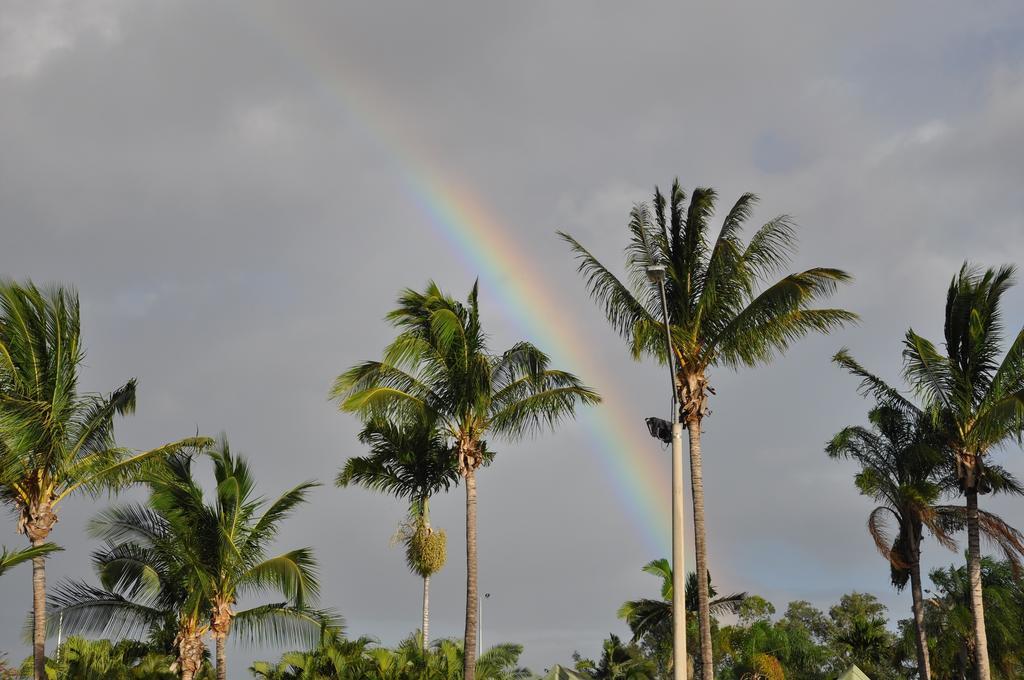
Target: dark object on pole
<point x="660" y="429"/>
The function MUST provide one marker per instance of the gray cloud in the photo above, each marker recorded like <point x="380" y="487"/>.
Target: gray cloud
<point x="226" y="185"/>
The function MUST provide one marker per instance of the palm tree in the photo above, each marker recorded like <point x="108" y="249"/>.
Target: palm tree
<point x="413" y="462"/>
<point x="977" y="401"/>
<point x="974" y="400"/>
<point x="54" y="440"/>
<point x="646" y="615"/>
<point x="441" y="367"/>
<point x="716" y="314"/>
<point x="185" y="560"/>
<point x="144" y="590"/>
<point x="903" y="472"/>
<point x="651" y="620"/>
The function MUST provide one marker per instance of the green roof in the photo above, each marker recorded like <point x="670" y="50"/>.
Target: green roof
<point x="853" y="673"/>
<point x="561" y="673"/>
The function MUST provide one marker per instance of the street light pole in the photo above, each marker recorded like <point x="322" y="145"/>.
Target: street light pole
<point x="656" y="273"/>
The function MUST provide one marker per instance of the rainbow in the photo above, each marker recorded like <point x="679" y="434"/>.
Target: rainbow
<point x="631" y="461"/>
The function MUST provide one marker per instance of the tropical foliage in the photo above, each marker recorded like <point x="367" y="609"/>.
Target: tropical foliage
<point x="338" y="658"/>
<point x="719" y="313"/>
<point x="177" y="566"/>
<point x="948" y="621"/>
<point x="84" y="659"/>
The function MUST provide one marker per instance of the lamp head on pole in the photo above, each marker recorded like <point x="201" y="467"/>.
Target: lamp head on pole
<point x="656" y="273"/>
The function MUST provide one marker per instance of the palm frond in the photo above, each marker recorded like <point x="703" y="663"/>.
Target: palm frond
<point x="620" y="304"/>
<point x="16" y="557"/>
<point x="281" y="623"/>
<point x="98" y="472"/>
<point x="927" y="370"/>
<point x="87" y="610"/>
<point x="293" y="574"/>
<point x="541" y="410"/>
<point x="873" y="385"/>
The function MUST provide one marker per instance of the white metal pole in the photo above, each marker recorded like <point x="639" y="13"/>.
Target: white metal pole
<point x="679" y="659"/>
<point x="480" y="624"/>
<point x="60" y="634"/>
<point x="679" y="662"/>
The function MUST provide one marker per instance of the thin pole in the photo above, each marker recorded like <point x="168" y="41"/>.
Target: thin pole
<point x="479" y="624"/>
<point x="679" y="659"/>
<point x="60" y="634"/>
<point x="678" y="567"/>
<point x="668" y="347"/>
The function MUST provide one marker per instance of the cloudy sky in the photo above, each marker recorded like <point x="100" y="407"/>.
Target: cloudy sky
<point x="239" y="191"/>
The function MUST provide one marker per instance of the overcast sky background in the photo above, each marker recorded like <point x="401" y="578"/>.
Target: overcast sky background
<point x="226" y="185"/>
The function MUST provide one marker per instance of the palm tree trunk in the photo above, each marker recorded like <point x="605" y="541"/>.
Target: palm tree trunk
<point x="222" y="658"/>
<point x="924" y="670"/>
<point x="426" y="612"/>
<point x="700" y="545"/>
<point x="974" y="573"/>
<point x="425" y="629"/>
<point x="190" y="648"/>
<point x="469" y="647"/>
<point x="39" y="615"/>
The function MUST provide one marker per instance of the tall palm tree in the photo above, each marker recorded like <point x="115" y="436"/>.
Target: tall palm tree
<point x="974" y="400"/>
<point x="54" y="440"/>
<point x="718" y="313"/>
<point x="413" y="462"/>
<point x="441" y="367"/>
<point x="902" y="471"/>
<point x="187" y="559"/>
<point x="977" y="401"/>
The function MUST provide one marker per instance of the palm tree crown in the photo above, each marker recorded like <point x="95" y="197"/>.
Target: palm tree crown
<point x="976" y="400"/>
<point x="903" y="472"/>
<point x="441" y="365"/>
<point x="716" y="314"/>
